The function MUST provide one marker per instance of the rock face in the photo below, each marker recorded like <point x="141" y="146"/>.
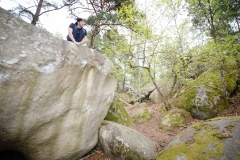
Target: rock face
<point x="53" y="94"/>
<point x="155" y="97"/>
<point x="143" y="94"/>
<point x="204" y="98"/>
<point x="173" y="118"/>
<point x="122" y="143"/>
<point x="217" y="139"/>
<point x="117" y="113"/>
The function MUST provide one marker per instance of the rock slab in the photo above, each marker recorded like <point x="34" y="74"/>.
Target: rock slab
<point x="217" y="139"/>
<point x="122" y="143"/>
<point x="53" y="94"/>
<point x="204" y="98"/>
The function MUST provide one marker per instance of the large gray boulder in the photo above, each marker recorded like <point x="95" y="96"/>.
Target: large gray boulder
<point x="122" y="143"/>
<point x="217" y="139"/>
<point x="53" y="94"/>
<point x="155" y="97"/>
<point x="204" y="98"/>
<point x="143" y="93"/>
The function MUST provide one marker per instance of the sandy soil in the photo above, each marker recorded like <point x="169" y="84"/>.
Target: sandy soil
<point x="150" y="129"/>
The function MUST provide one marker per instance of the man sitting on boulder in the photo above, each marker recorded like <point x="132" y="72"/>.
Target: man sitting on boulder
<point x="76" y="33"/>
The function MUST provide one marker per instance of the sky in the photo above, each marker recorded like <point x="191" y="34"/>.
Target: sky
<point x="55" y="21"/>
<point x="58" y="21"/>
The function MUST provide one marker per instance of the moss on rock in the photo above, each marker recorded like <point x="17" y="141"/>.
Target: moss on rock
<point x="202" y="141"/>
<point x="204" y="146"/>
<point x="143" y="115"/>
<point x="124" y="97"/>
<point x="238" y="156"/>
<point x="162" y="109"/>
<point x="117" y="113"/>
<point x="212" y="79"/>
<point x="173" y="118"/>
<point x="120" y="142"/>
<point x="123" y="150"/>
<point x="204" y="98"/>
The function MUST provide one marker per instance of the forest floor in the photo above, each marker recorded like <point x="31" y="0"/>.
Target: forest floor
<point x="162" y="138"/>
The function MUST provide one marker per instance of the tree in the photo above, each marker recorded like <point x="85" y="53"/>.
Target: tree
<point x="147" y="54"/>
<point x="218" y="19"/>
<point x="43" y="6"/>
<point x="231" y="11"/>
<point x="58" y="35"/>
<point x="104" y="14"/>
<point x="215" y="16"/>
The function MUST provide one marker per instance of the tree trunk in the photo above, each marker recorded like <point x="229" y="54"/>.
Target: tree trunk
<point x="237" y="24"/>
<point x="173" y="85"/>
<point x="213" y="29"/>
<point x="36" y="16"/>
<point x="94" y="34"/>
<point x="92" y="40"/>
<point x="165" y="101"/>
<point x="223" y="84"/>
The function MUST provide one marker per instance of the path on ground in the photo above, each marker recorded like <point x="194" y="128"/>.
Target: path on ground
<point x="151" y="130"/>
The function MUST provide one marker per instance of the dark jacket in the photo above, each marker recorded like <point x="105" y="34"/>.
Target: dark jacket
<point x="78" y="33"/>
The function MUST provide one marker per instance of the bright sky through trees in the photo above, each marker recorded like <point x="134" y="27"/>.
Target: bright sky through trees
<point x="55" y="21"/>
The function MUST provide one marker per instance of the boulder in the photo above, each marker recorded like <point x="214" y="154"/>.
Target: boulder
<point x="204" y="97"/>
<point x="117" y="113"/>
<point x="173" y="118"/>
<point x="155" y="97"/>
<point x="142" y="94"/>
<point x="217" y="139"/>
<point x="124" y="97"/>
<point x="54" y="95"/>
<point x="120" y="142"/>
<point x="125" y="88"/>
<point x="143" y="115"/>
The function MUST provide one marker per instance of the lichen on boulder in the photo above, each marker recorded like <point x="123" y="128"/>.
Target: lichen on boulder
<point x="155" y="97"/>
<point x="173" y="118"/>
<point x="204" y="97"/>
<point x="143" y="115"/>
<point x="122" y="143"/>
<point x="117" y="113"/>
<point x="54" y="94"/>
<point x="216" y="139"/>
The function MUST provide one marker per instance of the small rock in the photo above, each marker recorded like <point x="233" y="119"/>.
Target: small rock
<point x="23" y="55"/>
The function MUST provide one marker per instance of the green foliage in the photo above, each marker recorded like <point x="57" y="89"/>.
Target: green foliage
<point x="224" y="52"/>
<point x="172" y="54"/>
<point x="106" y="14"/>
<point x="132" y="18"/>
<point x="115" y="46"/>
<point x="212" y="79"/>
<point x="58" y="35"/>
<point x="102" y="17"/>
<point x="214" y="16"/>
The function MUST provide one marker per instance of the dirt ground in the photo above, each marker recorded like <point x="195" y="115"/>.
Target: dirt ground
<point x="150" y="129"/>
<point x="162" y="138"/>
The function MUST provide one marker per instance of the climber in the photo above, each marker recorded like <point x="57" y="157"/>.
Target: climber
<point x="76" y="33"/>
